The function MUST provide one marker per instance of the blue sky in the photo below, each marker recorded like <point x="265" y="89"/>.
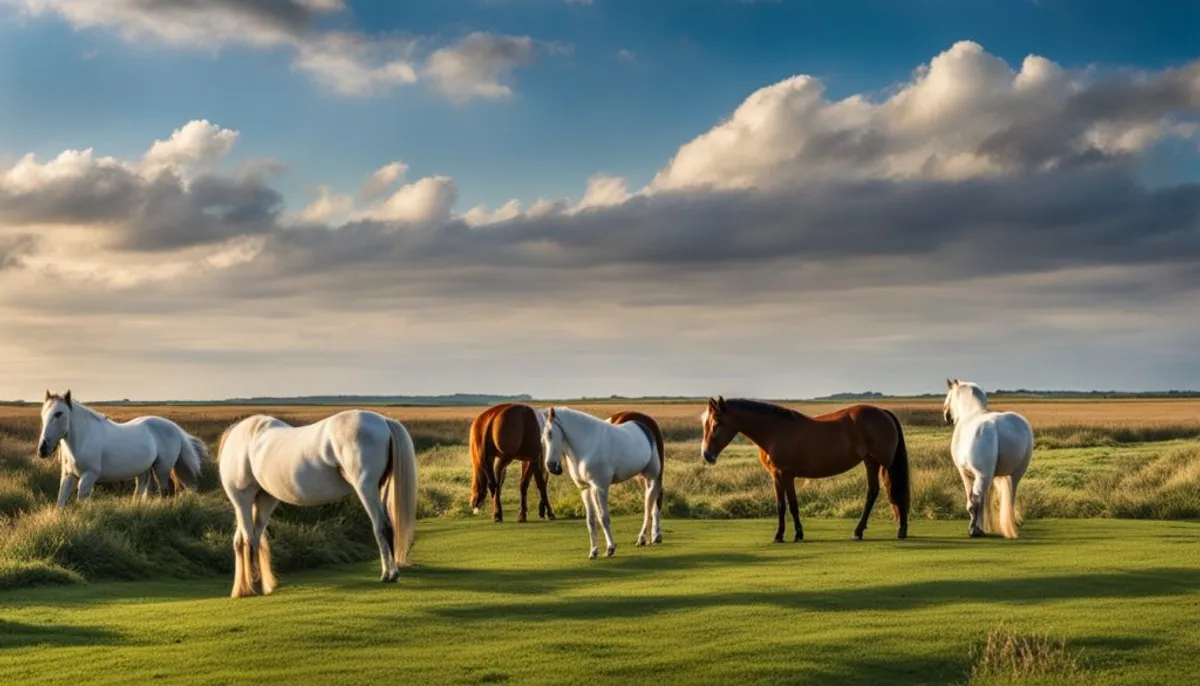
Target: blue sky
<point x="860" y="194"/>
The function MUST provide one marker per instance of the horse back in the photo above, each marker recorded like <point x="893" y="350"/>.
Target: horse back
<point x="647" y="423"/>
<point x="516" y="432"/>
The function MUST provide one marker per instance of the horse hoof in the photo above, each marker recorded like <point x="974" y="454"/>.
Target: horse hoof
<point x="521" y="519"/>
<point x="902" y="535"/>
<point x="550" y="516"/>
<point x="798" y="538"/>
<point x="498" y="519"/>
<point x="595" y="552"/>
<point x="658" y="539"/>
<point x="779" y="538"/>
<point x="611" y="550"/>
<point x="474" y="510"/>
<point x="975" y="533"/>
<point x="858" y="535"/>
<point x="641" y="542"/>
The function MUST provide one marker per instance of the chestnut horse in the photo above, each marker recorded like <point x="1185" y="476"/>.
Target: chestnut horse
<point x="792" y="445"/>
<point x="499" y="435"/>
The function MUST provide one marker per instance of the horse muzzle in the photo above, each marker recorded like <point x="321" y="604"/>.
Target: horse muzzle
<point x="555" y="469"/>
<point x="44" y="449"/>
<point x="708" y="457"/>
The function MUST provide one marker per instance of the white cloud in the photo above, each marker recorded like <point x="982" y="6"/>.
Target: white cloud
<point x="604" y="190"/>
<point x="327" y="207"/>
<point x="965" y="114"/>
<point x="197" y="144"/>
<point x="382" y="180"/>
<point x="479" y="65"/>
<point x="626" y="55"/>
<point x="348" y="63"/>
<point x="424" y="202"/>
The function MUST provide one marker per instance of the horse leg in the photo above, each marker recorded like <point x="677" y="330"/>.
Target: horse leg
<point x="141" y="486"/>
<point x="979" y="504"/>
<point x="794" y="506"/>
<point x="243" y="560"/>
<point x="526" y="477"/>
<point x="780" y="505"/>
<point x="539" y="478"/>
<point x="872" y="493"/>
<point x="162" y="472"/>
<point x="501" y="470"/>
<point x="368" y="493"/>
<point x="600" y="493"/>
<point x="66" y="486"/>
<point x="643" y="535"/>
<point x="657" y="511"/>
<point x="589" y="508"/>
<point x="86" y="481"/>
<point x="264" y="507"/>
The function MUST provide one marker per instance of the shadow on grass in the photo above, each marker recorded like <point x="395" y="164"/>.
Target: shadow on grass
<point x="1143" y="584"/>
<point x="19" y="635"/>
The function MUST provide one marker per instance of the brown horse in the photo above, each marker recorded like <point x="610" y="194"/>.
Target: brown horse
<point x="792" y="445"/>
<point x="499" y="435"/>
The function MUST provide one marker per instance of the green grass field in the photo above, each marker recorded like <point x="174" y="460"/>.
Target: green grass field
<point x="717" y="603"/>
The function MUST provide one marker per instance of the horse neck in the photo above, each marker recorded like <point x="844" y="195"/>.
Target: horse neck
<point x="576" y="441"/>
<point x="759" y="427"/>
<point x="83" y="419"/>
<point x="967" y="408"/>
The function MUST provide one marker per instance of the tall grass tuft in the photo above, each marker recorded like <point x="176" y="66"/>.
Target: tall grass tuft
<point x="1011" y="658"/>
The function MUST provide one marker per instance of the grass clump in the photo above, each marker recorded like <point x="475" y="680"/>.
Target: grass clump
<point x="1008" y="657"/>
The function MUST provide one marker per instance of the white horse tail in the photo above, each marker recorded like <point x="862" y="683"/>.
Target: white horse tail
<point x="402" y="491"/>
<point x="1007" y="524"/>
<point x="190" y="464"/>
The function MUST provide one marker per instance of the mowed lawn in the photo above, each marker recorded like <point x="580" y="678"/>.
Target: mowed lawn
<point x="717" y="603"/>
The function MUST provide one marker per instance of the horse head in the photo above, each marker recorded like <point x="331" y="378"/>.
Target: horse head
<point x="56" y="421"/>
<point x="552" y="443"/>
<point x="717" y="433"/>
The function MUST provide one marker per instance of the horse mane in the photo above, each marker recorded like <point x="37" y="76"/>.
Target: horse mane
<point x="75" y="404"/>
<point x="759" y="407"/>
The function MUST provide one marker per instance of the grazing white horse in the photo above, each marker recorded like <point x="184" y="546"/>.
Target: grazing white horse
<point x="986" y="446"/>
<point x="264" y="460"/>
<point x="599" y="454"/>
<point x="95" y="448"/>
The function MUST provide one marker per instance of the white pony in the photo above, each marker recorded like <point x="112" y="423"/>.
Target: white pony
<point x="599" y="454"/>
<point x="95" y="448"/>
<point x="264" y="460"/>
<point x="986" y="446"/>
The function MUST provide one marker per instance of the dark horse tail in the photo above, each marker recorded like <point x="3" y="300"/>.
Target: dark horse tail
<point x="896" y="477"/>
<point x="481" y="476"/>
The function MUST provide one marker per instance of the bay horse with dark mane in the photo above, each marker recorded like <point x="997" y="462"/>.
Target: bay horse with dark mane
<point x="791" y="445"/>
<point x="500" y="435"/>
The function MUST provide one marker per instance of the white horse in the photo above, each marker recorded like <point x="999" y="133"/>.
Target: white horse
<point x="264" y="460"/>
<point x="986" y="446"/>
<point x="95" y="448"/>
<point x="600" y="454"/>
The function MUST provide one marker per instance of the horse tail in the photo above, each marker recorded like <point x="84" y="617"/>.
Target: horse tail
<point x="1007" y="524"/>
<point x="402" y="491"/>
<point x="482" y="476"/>
<point x="190" y="464"/>
<point x="896" y="476"/>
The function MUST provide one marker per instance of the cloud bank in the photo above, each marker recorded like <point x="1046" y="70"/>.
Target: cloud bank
<point x="980" y="217"/>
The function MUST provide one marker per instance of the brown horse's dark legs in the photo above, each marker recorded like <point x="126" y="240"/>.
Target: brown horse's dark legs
<point x="794" y="505"/>
<point x="781" y="506"/>
<point x="539" y="478"/>
<point x="872" y="494"/>
<point x="526" y="475"/>
<point x="501" y="470"/>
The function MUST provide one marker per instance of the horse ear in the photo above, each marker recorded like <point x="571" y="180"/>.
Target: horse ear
<point x="721" y="403"/>
<point x="67" y="397"/>
<point x="550" y="413"/>
<point x="949" y="382"/>
<point x="47" y="395"/>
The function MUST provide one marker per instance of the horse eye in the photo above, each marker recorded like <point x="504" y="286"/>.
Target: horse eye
<point x="58" y="414"/>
